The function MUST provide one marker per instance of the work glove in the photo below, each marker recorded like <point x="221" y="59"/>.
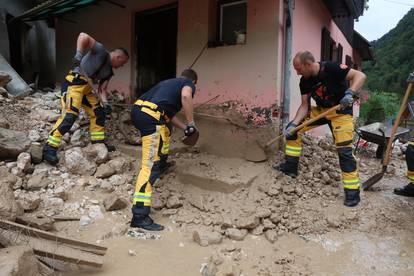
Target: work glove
<point x="287" y="131"/>
<point x="77" y="58"/>
<point x="347" y="100"/>
<point x="190" y="129"/>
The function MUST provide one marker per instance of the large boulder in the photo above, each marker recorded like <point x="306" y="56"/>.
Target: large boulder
<point x="78" y="163"/>
<point x="12" y="143"/>
<point x="97" y="153"/>
<point x="40" y="179"/>
<point x="9" y="208"/>
<point x="18" y="261"/>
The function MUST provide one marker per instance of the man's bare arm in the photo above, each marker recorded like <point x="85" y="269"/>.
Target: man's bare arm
<point x="187" y="102"/>
<point x="302" y="110"/>
<point x="84" y="42"/>
<point x="177" y="123"/>
<point x="356" y="78"/>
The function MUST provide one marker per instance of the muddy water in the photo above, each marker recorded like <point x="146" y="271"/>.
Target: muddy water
<point x="335" y="253"/>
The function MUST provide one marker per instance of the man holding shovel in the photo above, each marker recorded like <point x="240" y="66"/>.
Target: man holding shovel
<point x="327" y="83"/>
<point x="151" y="114"/>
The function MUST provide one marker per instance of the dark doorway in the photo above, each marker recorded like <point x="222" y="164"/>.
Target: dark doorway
<point x="156" y="36"/>
<point x="20" y="58"/>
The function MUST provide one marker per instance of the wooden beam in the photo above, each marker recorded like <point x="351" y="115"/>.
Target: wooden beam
<point x="52" y="246"/>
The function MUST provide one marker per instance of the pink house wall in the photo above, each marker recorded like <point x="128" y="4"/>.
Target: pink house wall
<point x="249" y="73"/>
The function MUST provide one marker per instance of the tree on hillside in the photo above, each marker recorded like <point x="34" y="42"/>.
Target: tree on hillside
<point x="394" y="58"/>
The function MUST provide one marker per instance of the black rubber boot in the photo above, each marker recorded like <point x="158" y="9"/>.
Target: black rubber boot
<point x="166" y="167"/>
<point x="50" y="155"/>
<point x="111" y="148"/>
<point x="288" y="168"/>
<point x="407" y="190"/>
<point x="351" y="197"/>
<point x="146" y="223"/>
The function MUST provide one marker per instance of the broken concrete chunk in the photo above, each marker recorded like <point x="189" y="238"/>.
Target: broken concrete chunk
<point x="249" y="222"/>
<point x="104" y="171"/>
<point x="206" y="237"/>
<point x="36" y="153"/>
<point x="40" y="179"/>
<point x="113" y="203"/>
<point x="29" y="202"/>
<point x="98" y="153"/>
<point x="12" y="143"/>
<point x="61" y="193"/>
<point x="236" y="234"/>
<point x="157" y="204"/>
<point x="9" y="207"/>
<point x="271" y="235"/>
<point x="24" y="162"/>
<point x="85" y="220"/>
<point x="77" y="162"/>
<point x="174" y="202"/>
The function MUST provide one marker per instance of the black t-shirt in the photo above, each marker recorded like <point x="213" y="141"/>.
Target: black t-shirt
<point x="329" y="86"/>
<point x="167" y="94"/>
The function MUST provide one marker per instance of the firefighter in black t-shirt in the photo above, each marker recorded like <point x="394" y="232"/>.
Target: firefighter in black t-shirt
<point x="327" y="83"/>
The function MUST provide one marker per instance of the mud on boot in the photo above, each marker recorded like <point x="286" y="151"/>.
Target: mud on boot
<point x="351" y="197"/>
<point x="290" y="169"/>
<point x="146" y="223"/>
<point x="407" y="190"/>
<point x="167" y="167"/>
<point x="50" y="155"/>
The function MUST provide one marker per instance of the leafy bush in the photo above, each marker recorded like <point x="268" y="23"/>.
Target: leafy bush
<point x="378" y="107"/>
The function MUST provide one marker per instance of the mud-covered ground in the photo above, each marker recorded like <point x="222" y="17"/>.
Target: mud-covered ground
<point x="228" y="216"/>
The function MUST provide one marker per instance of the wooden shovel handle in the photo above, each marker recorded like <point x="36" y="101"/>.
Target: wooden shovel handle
<point x="306" y="123"/>
<point x="387" y="157"/>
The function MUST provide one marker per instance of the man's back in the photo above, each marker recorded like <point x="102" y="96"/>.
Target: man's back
<point x="167" y="94"/>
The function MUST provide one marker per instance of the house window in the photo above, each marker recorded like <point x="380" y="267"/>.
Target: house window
<point x="327" y="45"/>
<point x="348" y="61"/>
<point x="339" y="53"/>
<point x="232" y="22"/>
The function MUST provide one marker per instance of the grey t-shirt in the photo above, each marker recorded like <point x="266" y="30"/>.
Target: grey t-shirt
<point x="96" y="64"/>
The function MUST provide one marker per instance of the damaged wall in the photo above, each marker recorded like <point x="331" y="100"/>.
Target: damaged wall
<point x="32" y="53"/>
<point x="248" y="73"/>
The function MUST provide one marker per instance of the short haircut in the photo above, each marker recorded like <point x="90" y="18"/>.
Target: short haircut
<point x="122" y="50"/>
<point x="305" y="56"/>
<point x="190" y="74"/>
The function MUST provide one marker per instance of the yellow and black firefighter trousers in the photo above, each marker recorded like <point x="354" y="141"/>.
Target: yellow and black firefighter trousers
<point x="409" y="158"/>
<point x="342" y="127"/>
<point x="155" y="136"/>
<point x="77" y="93"/>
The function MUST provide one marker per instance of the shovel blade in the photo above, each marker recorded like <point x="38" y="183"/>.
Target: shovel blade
<point x="371" y="181"/>
<point x="254" y="152"/>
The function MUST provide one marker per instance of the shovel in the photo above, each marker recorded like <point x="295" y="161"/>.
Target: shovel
<point x="256" y="153"/>
<point x="374" y="179"/>
<point x="305" y="124"/>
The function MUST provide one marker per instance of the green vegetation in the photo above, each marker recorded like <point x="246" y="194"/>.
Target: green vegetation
<point x="394" y="58"/>
<point x="380" y="105"/>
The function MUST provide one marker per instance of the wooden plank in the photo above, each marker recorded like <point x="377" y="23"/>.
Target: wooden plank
<point x="51" y="249"/>
<point x="29" y="231"/>
<point x="63" y="218"/>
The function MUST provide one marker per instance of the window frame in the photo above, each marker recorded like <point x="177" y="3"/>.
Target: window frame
<point x="220" y="5"/>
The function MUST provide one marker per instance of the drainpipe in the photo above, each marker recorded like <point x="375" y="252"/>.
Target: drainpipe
<point x="287" y="61"/>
